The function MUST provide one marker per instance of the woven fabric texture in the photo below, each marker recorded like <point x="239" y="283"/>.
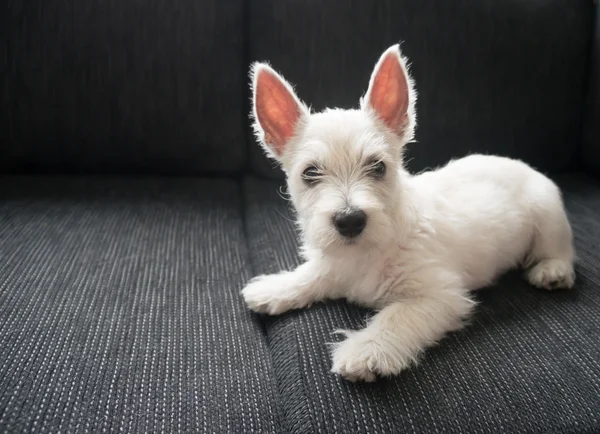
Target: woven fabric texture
<point x="122" y="86"/>
<point x="120" y="309"/>
<point x="501" y="77"/>
<point x="528" y="363"/>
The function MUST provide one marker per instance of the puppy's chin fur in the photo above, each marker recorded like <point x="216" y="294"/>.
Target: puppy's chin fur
<point x="428" y="240"/>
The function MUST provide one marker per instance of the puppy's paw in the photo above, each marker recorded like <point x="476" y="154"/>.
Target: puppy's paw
<point x="362" y="357"/>
<point x="552" y="274"/>
<point x="270" y="294"/>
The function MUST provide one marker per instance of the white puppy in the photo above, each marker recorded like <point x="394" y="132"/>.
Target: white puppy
<point x="411" y="247"/>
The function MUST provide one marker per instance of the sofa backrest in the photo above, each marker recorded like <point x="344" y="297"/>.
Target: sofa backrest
<point x="122" y="86"/>
<point x="503" y="77"/>
<point x="591" y="130"/>
<point x="155" y="86"/>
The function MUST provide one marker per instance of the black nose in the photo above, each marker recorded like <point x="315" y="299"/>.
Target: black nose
<point x="350" y="223"/>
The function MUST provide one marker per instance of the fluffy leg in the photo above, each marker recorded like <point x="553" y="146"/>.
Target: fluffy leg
<point x="552" y="249"/>
<point x="274" y="294"/>
<point x="396" y="336"/>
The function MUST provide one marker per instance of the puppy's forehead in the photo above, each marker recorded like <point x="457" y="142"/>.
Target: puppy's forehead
<point x="348" y="132"/>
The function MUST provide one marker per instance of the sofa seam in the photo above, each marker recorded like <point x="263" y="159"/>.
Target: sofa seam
<point x="244" y="205"/>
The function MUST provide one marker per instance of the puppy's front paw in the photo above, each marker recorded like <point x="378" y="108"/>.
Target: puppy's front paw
<point x="362" y="356"/>
<point x="270" y="294"/>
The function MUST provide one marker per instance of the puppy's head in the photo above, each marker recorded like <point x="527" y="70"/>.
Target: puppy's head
<point x="343" y="167"/>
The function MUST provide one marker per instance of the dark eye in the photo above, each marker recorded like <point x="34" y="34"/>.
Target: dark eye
<point x="311" y="175"/>
<point x="377" y="169"/>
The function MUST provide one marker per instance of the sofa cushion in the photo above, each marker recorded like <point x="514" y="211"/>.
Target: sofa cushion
<point x="528" y="363"/>
<point x="120" y="309"/>
<point x="504" y="77"/>
<point x="122" y="86"/>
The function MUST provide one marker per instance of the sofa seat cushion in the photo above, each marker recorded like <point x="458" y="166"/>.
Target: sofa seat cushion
<point x="120" y="309"/>
<point x="528" y="362"/>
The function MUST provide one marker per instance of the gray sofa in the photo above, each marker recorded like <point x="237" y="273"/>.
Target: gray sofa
<point x="135" y="204"/>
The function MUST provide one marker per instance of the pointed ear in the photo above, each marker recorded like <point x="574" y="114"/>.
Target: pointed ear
<point x="277" y="111"/>
<point x="391" y="96"/>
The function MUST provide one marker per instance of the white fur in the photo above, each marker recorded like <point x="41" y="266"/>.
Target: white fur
<point x="430" y="239"/>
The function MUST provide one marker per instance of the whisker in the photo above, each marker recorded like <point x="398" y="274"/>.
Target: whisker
<point x="285" y="217"/>
<point x="283" y="194"/>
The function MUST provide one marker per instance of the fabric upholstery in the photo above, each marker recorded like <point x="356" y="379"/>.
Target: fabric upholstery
<point x="503" y="77"/>
<point x="591" y="133"/>
<point x="114" y="86"/>
<point x="528" y="362"/>
<point x="120" y="309"/>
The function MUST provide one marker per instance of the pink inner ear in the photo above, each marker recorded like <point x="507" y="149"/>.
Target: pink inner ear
<point x="389" y="93"/>
<point x="276" y="109"/>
